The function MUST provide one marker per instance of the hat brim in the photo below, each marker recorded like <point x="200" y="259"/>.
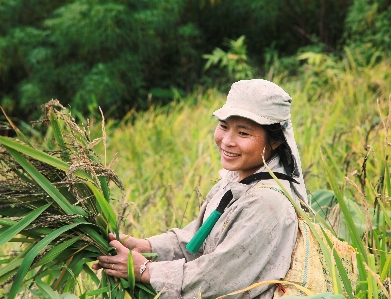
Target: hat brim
<point x="227" y="111"/>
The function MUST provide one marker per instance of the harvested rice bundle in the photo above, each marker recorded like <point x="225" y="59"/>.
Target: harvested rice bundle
<point x="55" y="203"/>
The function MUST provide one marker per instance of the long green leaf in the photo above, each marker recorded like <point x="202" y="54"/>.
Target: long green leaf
<point x="57" y="133"/>
<point x="91" y="274"/>
<point x="98" y="291"/>
<point x="105" y="208"/>
<point x="41" y="156"/>
<point x="30" y="256"/>
<point x="16" y="228"/>
<point x="386" y="267"/>
<point x="16" y="129"/>
<point x="372" y="284"/>
<point x="131" y="277"/>
<point x="356" y="240"/>
<point x="37" y="232"/>
<point x="54" y="252"/>
<point x="341" y="270"/>
<point x="47" y="291"/>
<point x="45" y="184"/>
<point x="9" y="269"/>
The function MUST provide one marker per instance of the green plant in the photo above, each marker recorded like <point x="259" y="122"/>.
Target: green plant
<point x="234" y="61"/>
<point x="55" y="203"/>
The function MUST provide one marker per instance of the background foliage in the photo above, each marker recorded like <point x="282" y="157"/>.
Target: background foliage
<point x="123" y="54"/>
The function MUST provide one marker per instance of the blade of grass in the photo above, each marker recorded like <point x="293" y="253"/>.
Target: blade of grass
<point x="98" y="291"/>
<point x="91" y="274"/>
<point x="131" y="276"/>
<point x="19" y="226"/>
<point x="54" y="252"/>
<point x="372" y="284"/>
<point x="341" y="270"/>
<point x="105" y="208"/>
<point x="41" y="156"/>
<point x="57" y="133"/>
<point x="30" y="256"/>
<point x="356" y="240"/>
<point x="45" y="184"/>
<point x="16" y="129"/>
<point x="386" y="267"/>
<point x="46" y="290"/>
<point x="9" y="269"/>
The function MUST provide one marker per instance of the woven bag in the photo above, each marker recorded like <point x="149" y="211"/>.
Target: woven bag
<point x="308" y="267"/>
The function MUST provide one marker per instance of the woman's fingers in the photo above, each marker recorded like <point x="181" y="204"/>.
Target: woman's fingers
<point x="121" y="237"/>
<point x="119" y="247"/>
<point x="116" y="265"/>
<point x="96" y="266"/>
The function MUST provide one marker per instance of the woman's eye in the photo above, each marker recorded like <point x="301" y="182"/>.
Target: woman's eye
<point x="243" y="134"/>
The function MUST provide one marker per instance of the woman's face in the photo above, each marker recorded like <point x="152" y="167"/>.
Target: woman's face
<point x="242" y="143"/>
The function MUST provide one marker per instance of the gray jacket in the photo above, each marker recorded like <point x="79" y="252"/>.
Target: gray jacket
<point x="251" y="242"/>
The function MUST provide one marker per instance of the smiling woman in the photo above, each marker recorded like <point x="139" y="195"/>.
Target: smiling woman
<point x="246" y="230"/>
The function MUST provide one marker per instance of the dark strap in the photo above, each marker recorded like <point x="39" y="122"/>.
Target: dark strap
<point x="225" y="200"/>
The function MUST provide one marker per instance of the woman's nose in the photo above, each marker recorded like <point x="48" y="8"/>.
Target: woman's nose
<point x="228" y="139"/>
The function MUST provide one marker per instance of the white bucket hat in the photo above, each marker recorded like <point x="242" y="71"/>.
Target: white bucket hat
<point x="265" y="103"/>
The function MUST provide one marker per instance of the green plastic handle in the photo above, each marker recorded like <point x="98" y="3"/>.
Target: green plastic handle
<point x="200" y="236"/>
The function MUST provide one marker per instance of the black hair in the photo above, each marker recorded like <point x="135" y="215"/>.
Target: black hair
<point x="274" y="133"/>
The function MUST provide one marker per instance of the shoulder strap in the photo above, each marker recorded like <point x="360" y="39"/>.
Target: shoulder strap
<point x="248" y="180"/>
<point x="267" y="176"/>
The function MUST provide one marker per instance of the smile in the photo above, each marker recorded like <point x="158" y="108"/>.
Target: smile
<point x="230" y="154"/>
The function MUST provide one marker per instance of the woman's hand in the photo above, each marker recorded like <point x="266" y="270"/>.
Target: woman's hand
<point x="117" y="265"/>
<point x="138" y="245"/>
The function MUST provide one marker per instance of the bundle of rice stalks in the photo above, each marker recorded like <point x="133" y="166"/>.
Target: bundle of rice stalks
<point x="55" y="203"/>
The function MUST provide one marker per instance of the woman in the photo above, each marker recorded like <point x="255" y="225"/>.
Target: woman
<point x="253" y="239"/>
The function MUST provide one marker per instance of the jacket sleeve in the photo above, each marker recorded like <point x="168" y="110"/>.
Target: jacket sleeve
<point x="254" y="245"/>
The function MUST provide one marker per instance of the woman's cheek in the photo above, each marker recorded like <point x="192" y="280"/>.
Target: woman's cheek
<point x="217" y="136"/>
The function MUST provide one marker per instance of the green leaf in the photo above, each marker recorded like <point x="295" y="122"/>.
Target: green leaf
<point x="57" y="133"/>
<point x="105" y="208"/>
<point x="16" y="228"/>
<point x="47" y="291"/>
<point x="91" y="274"/>
<point x="18" y="132"/>
<point x="386" y="267"/>
<point x="68" y="296"/>
<point x="9" y="269"/>
<point x="45" y="184"/>
<point x="356" y="239"/>
<point x="98" y="291"/>
<point x="131" y="276"/>
<point x="41" y="156"/>
<point x="55" y="251"/>
<point x="30" y="256"/>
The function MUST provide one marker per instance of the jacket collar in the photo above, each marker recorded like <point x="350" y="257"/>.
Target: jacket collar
<point x="231" y="177"/>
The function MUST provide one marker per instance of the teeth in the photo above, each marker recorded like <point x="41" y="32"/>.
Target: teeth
<point x="230" y="155"/>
